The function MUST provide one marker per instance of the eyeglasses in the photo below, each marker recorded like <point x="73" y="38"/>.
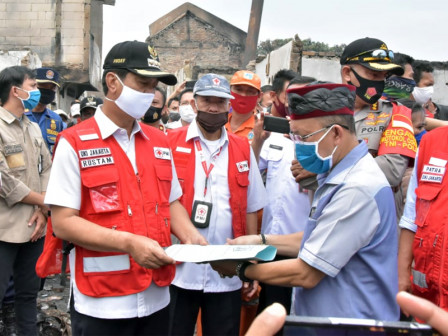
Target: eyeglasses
<point x="373" y="55"/>
<point x="300" y="138"/>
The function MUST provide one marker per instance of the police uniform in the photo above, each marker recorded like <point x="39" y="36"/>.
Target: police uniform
<point x="50" y="124"/>
<point x="371" y="123"/>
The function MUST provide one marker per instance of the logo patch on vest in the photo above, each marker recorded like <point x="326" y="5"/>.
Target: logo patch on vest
<point x="107" y="160"/>
<point x="183" y="149"/>
<point x="94" y="152"/>
<point x="162" y="153"/>
<point x="242" y="166"/>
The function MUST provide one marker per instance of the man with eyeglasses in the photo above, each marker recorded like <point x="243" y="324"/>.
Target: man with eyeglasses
<point x="222" y="192"/>
<point x="347" y="255"/>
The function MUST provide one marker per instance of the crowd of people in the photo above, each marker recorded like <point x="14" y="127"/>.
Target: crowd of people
<point x="351" y="197"/>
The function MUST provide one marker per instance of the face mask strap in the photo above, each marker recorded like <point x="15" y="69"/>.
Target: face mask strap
<point x="317" y="145"/>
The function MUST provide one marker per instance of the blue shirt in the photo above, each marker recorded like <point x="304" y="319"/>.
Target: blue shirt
<point x="351" y="236"/>
<point x="50" y="124"/>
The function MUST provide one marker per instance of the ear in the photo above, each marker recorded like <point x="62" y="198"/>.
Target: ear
<point x="193" y="105"/>
<point x="113" y="85"/>
<point x="345" y="74"/>
<point x="338" y="134"/>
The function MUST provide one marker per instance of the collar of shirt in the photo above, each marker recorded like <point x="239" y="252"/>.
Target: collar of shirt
<point x="245" y="127"/>
<point x="9" y="118"/>
<point x="194" y="132"/>
<point x="337" y="175"/>
<point x="107" y="127"/>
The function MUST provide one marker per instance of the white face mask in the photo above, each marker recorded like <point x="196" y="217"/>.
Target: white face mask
<point x="186" y="113"/>
<point x="423" y="94"/>
<point x="133" y="102"/>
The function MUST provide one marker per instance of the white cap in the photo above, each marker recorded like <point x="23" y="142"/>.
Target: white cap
<point x="59" y="111"/>
<point x="74" y="110"/>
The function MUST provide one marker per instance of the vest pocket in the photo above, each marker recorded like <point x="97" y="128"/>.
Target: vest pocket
<point x="103" y="189"/>
<point x="426" y="194"/>
<point x="164" y="176"/>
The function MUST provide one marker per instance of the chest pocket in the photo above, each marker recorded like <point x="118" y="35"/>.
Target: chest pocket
<point x="15" y="157"/>
<point x="426" y="194"/>
<point x="274" y="158"/>
<point x="103" y="188"/>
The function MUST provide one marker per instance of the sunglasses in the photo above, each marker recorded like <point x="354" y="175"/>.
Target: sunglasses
<point x="373" y="55"/>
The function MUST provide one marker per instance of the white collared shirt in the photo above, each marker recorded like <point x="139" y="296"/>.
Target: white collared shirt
<point x="287" y="208"/>
<point x="64" y="189"/>
<point x="202" y="276"/>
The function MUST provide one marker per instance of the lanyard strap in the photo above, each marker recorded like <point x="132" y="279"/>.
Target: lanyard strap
<point x="208" y="170"/>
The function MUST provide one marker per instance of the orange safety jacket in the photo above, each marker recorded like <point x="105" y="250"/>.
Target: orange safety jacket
<point x="113" y="196"/>
<point x="238" y="174"/>
<point x="430" y="246"/>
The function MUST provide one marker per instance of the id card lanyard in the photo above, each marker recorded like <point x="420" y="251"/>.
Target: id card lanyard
<point x="208" y="170"/>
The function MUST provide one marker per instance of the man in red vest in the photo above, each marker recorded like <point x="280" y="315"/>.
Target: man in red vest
<point x="423" y="257"/>
<point x="119" y="203"/>
<point x="222" y="191"/>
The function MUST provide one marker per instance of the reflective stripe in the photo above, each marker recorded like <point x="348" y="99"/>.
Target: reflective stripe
<point x="419" y="279"/>
<point x="107" y="264"/>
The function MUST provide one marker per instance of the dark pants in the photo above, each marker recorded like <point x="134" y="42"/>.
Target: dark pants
<point x="152" y="325"/>
<point x="19" y="260"/>
<point x="220" y="312"/>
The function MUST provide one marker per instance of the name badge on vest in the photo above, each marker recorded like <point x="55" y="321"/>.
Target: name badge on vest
<point x="432" y="174"/>
<point x="162" y="153"/>
<point x="183" y="149"/>
<point x="242" y="166"/>
<point x="200" y="216"/>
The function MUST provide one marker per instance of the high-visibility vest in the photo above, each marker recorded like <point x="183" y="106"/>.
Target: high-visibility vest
<point x="238" y="174"/>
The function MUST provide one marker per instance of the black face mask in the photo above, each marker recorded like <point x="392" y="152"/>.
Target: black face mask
<point x="46" y="96"/>
<point x="152" y="115"/>
<point x="211" y="122"/>
<point x="368" y="90"/>
<point x="174" y="116"/>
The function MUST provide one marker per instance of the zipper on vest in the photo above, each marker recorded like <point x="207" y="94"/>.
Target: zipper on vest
<point x="421" y="242"/>
<point x="129" y="211"/>
<point x="157" y="208"/>
<point x="166" y="222"/>
<point x="435" y="241"/>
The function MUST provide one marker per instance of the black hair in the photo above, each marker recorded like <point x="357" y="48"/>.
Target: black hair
<point x="419" y="67"/>
<point x="266" y="88"/>
<point x="121" y="73"/>
<point x="162" y="91"/>
<point x="13" y="76"/>
<point x="183" y="92"/>
<point x="280" y="78"/>
<point x="403" y="59"/>
<point x="301" y="80"/>
<point x="176" y="98"/>
<point x="346" y="120"/>
<point x="412" y="105"/>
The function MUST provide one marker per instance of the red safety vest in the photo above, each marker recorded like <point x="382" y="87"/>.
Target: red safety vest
<point x="430" y="246"/>
<point x="113" y="196"/>
<point x="238" y="174"/>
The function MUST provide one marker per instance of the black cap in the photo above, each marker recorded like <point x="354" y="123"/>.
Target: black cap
<point x="357" y="52"/>
<point x="47" y="75"/>
<point x="139" y="58"/>
<point x="91" y="101"/>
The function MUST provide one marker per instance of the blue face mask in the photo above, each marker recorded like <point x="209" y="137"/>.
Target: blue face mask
<point x="307" y="154"/>
<point x="418" y="137"/>
<point x="32" y="100"/>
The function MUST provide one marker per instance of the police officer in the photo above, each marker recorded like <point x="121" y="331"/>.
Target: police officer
<point x="50" y="122"/>
<point x="119" y="203"/>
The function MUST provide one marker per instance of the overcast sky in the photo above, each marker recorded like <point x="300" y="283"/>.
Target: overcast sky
<point x="415" y="27"/>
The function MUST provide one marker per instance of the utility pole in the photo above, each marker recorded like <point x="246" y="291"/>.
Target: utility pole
<point x="250" y="52"/>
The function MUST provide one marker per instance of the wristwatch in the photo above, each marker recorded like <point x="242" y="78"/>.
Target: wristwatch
<point x="241" y="269"/>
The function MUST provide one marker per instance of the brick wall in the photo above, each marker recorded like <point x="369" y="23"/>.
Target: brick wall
<point x="190" y="38"/>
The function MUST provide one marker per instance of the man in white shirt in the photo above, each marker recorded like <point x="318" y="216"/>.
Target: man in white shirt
<point x="118" y="202"/>
<point x="222" y="191"/>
